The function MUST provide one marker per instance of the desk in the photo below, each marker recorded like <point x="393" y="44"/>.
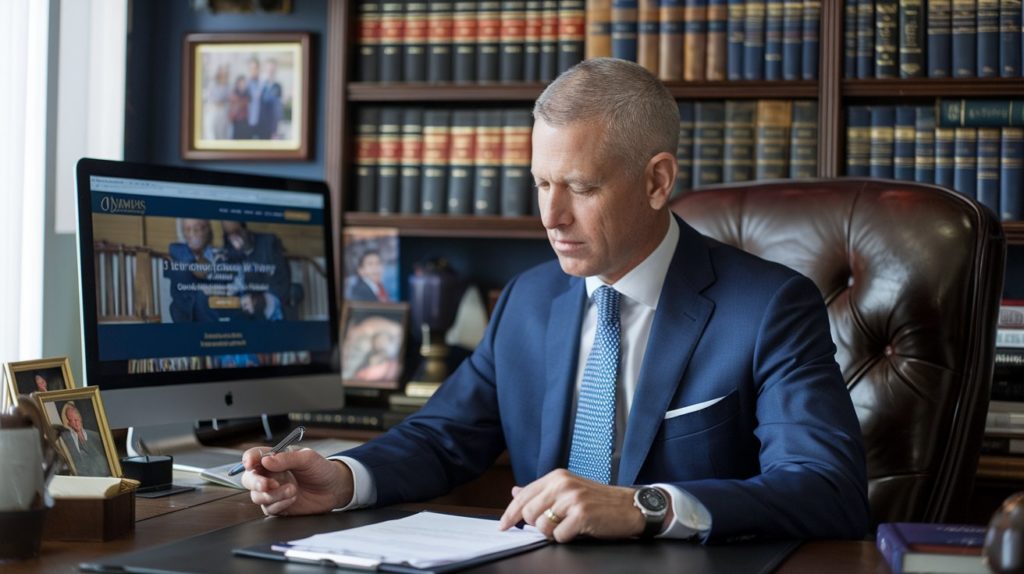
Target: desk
<point x="163" y="520"/>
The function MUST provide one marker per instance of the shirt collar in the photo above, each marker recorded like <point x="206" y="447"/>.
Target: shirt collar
<point x="643" y="283"/>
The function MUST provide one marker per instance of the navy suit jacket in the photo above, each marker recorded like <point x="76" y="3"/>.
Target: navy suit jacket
<point x="780" y="455"/>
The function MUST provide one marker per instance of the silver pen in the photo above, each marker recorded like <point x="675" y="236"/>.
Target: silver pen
<point x="292" y="438"/>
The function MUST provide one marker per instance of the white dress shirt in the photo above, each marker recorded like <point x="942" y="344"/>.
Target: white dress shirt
<point x="640" y="290"/>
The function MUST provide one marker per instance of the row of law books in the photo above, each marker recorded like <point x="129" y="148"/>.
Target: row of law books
<point x="938" y="144"/>
<point x="696" y="40"/>
<point x="932" y="38"/>
<point x="1004" y="424"/>
<point x="476" y="41"/>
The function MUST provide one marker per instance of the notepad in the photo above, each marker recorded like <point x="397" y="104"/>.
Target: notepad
<point x="427" y="541"/>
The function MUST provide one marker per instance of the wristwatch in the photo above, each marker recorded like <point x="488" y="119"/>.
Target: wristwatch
<point x="653" y="504"/>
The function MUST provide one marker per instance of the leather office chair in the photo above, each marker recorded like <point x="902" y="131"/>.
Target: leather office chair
<point x="912" y="275"/>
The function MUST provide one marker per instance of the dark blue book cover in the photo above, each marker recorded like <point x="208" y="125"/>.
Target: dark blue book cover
<point x="988" y="167"/>
<point x="886" y="38"/>
<point x="933" y="547"/>
<point x="736" y="31"/>
<point x="1011" y="182"/>
<point x="811" y="39"/>
<point x="414" y="42"/>
<point x="516" y="182"/>
<point x="488" y="40"/>
<point x="865" y="38"/>
<point x="850" y="39"/>
<point x="392" y="32"/>
<point x="487" y="179"/>
<point x="624" y="29"/>
<point x="708" y="143"/>
<point x="903" y="143"/>
<point x="572" y="28"/>
<point x="512" y="39"/>
<point x="924" y="144"/>
<point x="988" y="38"/>
<point x="939" y="32"/>
<point x="684" y="150"/>
<point x="531" y="41"/>
<point x="1009" y="38"/>
<point x="548" y="40"/>
<point x="753" y="40"/>
<point x="461" y="161"/>
<point x="911" y="33"/>
<point x="412" y="161"/>
<point x="883" y="121"/>
<point x="739" y="140"/>
<point x="439" y="42"/>
<point x="390" y="147"/>
<point x="774" y="10"/>
<point x="858" y="141"/>
<point x="436" y="149"/>
<point x="803" y="145"/>
<point x="464" y="41"/>
<point x="368" y="64"/>
<point x="944" y="148"/>
<point x="965" y="161"/>
<point x="792" y="39"/>
<point x="367" y="149"/>
<point x="955" y="113"/>
<point x="965" y="39"/>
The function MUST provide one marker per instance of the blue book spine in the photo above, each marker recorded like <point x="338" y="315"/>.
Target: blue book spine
<point x="684" y="150"/>
<point x="414" y="42"/>
<point x="883" y="119"/>
<point x="850" y="39"/>
<point x="753" y="40"/>
<point x="773" y="39"/>
<point x="739" y="140"/>
<point x="965" y="38"/>
<point x="369" y="41"/>
<point x="944" y="147"/>
<point x="940" y="26"/>
<point x="792" y="39"/>
<point x="1011" y="184"/>
<point x="924" y="144"/>
<point x="903" y="143"/>
<point x="912" y="27"/>
<point x="735" y="31"/>
<point x="811" y="39"/>
<point x="803" y="146"/>
<point x="708" y="143"/>
<point x="624" y="29"/>
<point x="988" y="38"/>
<point x="965" y="161"/>
<point x="865" y="38"/>
<point x="980" y="113"/>
<point x="895" y="539"/>
<point x="858" y="141"/>
<point x="1009" y="38"/>
<point x="389" y="162"/>
<point x="988" y="167"/>
<point x="886" y="38"/>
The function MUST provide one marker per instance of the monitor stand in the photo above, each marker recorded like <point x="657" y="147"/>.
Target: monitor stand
<point x="180" y="441"/>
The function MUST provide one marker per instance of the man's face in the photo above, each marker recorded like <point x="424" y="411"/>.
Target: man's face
<point x="40" y="383"/>
<point x="74" y="420"/>
<point x="596" y="212"/>
<point x="197" y="233"/>
<point x="237" y="235"/>
<point x="371" y="269"/>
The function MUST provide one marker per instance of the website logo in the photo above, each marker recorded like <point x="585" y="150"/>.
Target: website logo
<point x="122" y="206"/>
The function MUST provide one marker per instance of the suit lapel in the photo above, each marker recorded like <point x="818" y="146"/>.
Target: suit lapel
<point x="683" y="313"/>
<point x="562" y="349"/>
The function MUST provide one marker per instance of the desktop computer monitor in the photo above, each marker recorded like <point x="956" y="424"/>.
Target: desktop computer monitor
<point x="205" y="295"/>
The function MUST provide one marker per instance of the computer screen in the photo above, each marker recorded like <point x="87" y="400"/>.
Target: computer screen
<point x="205" y="294"/>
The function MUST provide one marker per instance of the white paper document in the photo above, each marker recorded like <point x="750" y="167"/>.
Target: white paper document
<point x="423" y="540"/>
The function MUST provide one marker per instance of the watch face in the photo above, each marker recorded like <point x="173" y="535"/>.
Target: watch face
<point x="652" y="499"/>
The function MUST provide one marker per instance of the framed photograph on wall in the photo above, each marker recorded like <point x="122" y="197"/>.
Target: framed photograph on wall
<point x="373" y="344"/>
<point x="246" y="96"/>
<point x="89" y="446"/>
<point x="36" y="376"/>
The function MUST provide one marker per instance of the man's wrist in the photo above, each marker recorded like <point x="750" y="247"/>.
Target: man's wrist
<point x="346" y="483"/>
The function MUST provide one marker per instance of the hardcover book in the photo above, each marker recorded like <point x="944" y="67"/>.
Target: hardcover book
<point x="910" y="547"/>
<point x="771" y="157"/>
<point x="811" y="41"/>
<point x="369" y="40"/>
<point x="1011" y="163"/>
<point x="599" y="29"/>
<point x="792" y="39"/>
<point x="912" y="30"/>
<point x="965" y="38"/>
<point x="739" y="141"/>
<point x="717" y="48"/>
<point x="695" y="33"/>
<point x="670" y="40"/>
<point x="412" y="160"/>
<point x="464" y="41"/>
<point x="924" y="144"/>
<point x="624" y="29"/>
<point x="735" y="34"/>
<point x="415" y="30"/>
<point x="647" y="35"/>
<point x="939" y="32"/>
<point x="753" y="40"/>
<point x="488" y="40"/>
<point x="886" y="38"/>
<point x="774" y="10"/>
<point x="512" y="38"/>
<point x="439" y="42"/>
<point x="988" y="38"/>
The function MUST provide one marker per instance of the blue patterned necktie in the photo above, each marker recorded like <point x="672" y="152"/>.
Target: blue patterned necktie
<point x="591" y="453"/>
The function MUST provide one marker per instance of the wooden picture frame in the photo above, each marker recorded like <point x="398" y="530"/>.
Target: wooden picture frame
<point x="246" y="96"/>
<point x="373" y="344"/>
<point x="60" y="407"/>
<point x="38" y="375"/>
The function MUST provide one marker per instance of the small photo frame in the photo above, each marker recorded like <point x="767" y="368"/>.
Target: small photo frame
<point x="36" y="376"/>
<point x="371" y="264"/>
<point x="89" y="446"/>
<point x="246" y="96"/>
<point x="373" y="344"/>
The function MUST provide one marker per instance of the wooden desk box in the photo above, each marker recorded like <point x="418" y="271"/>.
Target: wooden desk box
<point x="91" y="519"/>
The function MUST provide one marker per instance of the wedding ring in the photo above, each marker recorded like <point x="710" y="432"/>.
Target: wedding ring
<point x="551" y="516"/>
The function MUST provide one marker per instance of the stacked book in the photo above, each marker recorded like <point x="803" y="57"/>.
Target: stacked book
<point x="1004" y="425"/>
<point x="932" y="38"/>
<point x="697" y="40"/>
<point x="973" y="146"/>
<point x="468" y="41"/>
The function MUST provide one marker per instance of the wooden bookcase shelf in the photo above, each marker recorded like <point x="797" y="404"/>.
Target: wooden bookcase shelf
<point x="932" y="88"/>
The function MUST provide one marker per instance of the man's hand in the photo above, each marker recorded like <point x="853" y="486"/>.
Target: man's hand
<point x="580" y="507"/>
<point x="296" y="482"/>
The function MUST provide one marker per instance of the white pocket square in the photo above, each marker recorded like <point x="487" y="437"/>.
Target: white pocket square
<point x="691" y="408"/>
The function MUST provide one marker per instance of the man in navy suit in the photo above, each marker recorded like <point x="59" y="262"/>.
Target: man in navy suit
<point x="729" y="417"/>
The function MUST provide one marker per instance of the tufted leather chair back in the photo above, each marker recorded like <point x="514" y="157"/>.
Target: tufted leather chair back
<point x="912" y="275"/>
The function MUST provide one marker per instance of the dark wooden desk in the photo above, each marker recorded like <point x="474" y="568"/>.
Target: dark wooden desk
<point x="163" y="520"/>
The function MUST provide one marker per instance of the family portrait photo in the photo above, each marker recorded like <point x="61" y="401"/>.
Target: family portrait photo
<point x="88" y="444"/>
<point x="373" y="344"/>
<point x="246" y="96"/>
<point x="36" y="376"/>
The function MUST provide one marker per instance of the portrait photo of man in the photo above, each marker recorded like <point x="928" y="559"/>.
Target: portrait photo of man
<point x="84" y="444"/>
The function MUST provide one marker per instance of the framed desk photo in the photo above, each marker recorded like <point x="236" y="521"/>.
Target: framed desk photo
<point x="373" y="344"/>
<point x="36" y="376"/>
<point x="246" y="96"/>
<point x="89" y="446"/>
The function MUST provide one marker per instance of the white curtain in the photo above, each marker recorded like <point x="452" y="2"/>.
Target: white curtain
<point x="24" y="38"/>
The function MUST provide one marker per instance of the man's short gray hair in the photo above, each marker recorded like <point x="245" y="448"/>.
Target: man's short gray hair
<point x="639" y="113"/>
